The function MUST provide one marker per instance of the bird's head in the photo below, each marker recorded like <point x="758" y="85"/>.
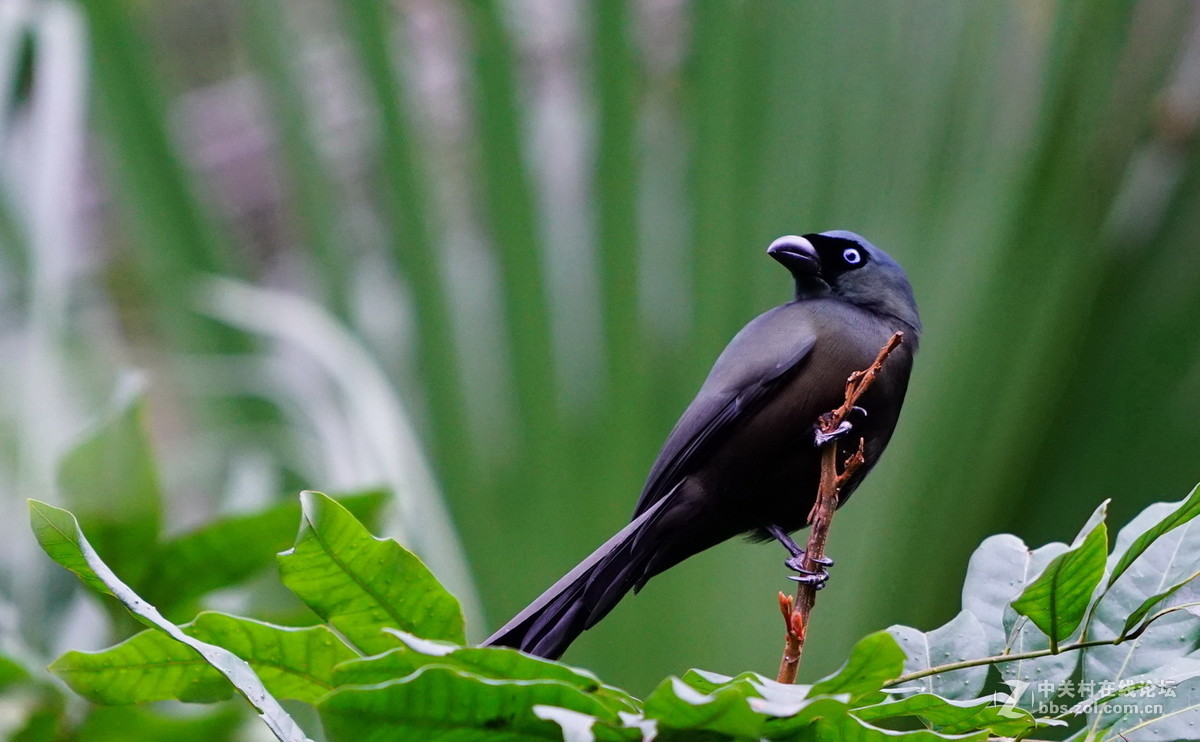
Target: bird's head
<point x="844" y="265"/>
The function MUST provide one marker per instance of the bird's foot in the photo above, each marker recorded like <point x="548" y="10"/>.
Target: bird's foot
<point x="822" y="438"/>
<point x="817" y="578"/>
<point x="796" y="563"/>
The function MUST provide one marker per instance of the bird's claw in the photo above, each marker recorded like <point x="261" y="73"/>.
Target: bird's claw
<point x="823" y="438"/>
<point x="796" y="563"/>
<point x="817" y="578"/>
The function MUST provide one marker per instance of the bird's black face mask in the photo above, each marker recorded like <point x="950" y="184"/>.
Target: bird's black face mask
<point x="845" y="265"/>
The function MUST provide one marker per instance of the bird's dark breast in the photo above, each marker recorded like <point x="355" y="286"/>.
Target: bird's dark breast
<point x="768" y="470"/>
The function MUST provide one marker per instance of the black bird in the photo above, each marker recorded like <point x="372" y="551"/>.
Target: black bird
<point x="743" y="457"/>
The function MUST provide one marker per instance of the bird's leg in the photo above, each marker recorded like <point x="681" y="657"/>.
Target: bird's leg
<point x="821" y="438"/>
<point x="796" y="561"/>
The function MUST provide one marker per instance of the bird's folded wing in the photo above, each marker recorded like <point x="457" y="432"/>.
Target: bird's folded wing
<point x="719" y="408"/>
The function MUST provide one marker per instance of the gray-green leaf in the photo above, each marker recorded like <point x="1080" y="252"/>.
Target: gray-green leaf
<point x="962" y="638"/>
<point x="1188" y="509"/>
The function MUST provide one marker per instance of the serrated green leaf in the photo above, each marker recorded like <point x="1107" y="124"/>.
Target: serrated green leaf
<point x="497" y="663"/>
<point x="962" y="638"/>
<point x="1058" y="599"/>
<point x="1188" y="509"/>
<point x="575" y="726"/>
<point x="58" y="533"/>
<point x="850" y="729"/>
<point x="362" y="585"/>
<point x="149" y="666"/>
<point x="785" y="710"/>
<point x="295" y="663"/>
<point x="110" y="480"/>
<point x="951" y="716"/>
<point x="874" y="660"/>
<point x="752" y="684"/>
<point x="726" y="710"/>
<point x="444" y="703"/>
<point x="786" y="707"/>
<point x="800" y="717"/>
<point x="232" y="549"/>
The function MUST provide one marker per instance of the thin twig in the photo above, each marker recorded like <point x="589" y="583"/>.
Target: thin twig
<point x="796" y="609"/>
<point x="1034" y="654"/>
<point x="997" y="660"/>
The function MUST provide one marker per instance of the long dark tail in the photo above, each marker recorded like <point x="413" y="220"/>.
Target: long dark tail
<point x="587" y="593"/>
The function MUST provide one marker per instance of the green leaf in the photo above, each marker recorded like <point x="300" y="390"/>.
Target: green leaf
<point x="724" y="710"/>
<point x="444" y="703"/>
<point x="293" y="663"/>
<point x="361" y="584"/>
<point x="1058" y="599"/>
<point x="874" y="660"/>
<point x="1188" y="509"/>
<point x="786" y="708"/>
<point x="110" y="481"/>
<point x="232" y="549"/>
<point x="577" y="726"/>
<point x="498" y="663"/>
<point x="149" y="666"/>
<point x="850" y="729"/>
<point x="705" y="701"/>
<point x="58" y="533"/>
<point x="962" y="638"/>
<point x="953" y="717"/>
<point x="11" y="672"/>
<point x="124" y="723"/>
<point x="788" y="719"/>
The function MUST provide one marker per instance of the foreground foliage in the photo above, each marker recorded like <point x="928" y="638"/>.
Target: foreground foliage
<point x="1099" y="643"/>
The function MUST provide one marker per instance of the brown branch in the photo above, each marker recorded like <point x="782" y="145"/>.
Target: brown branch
<point x="796" y="610"/>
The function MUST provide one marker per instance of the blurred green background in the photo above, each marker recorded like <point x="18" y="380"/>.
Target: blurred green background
<point x="483" y="253"/>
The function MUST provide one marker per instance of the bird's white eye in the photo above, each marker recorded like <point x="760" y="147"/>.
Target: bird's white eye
<point x="851" y="256"/>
